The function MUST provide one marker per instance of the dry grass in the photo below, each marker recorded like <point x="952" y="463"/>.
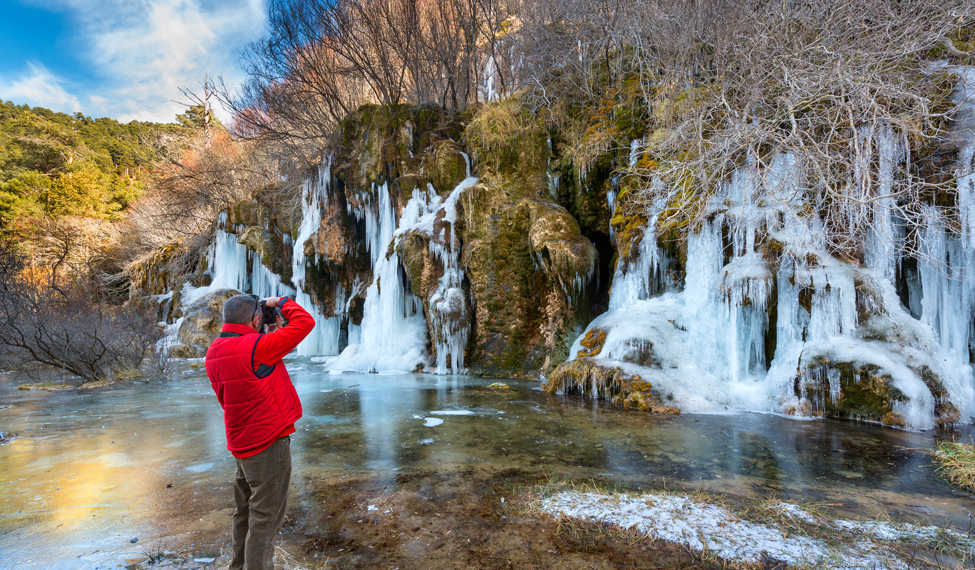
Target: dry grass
<point x="957" y="463"/>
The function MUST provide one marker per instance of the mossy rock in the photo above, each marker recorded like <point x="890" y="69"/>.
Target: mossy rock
<point x="946" y="414"/>
<point x="865" y="393"/>
<point x="521" y="279"/>
<point x="423" y="271"/>
<point x="254" y="238"/>
<point x="559" y="246"/>
<point x="510" y="145"/>
<point x="448" y="167"/>
<point x="588" y="378"/>
<point x="592" y="343"/>
<point x="154" y="275"/>
<point x="629" y="231"/>
<point x="245" y="213"/>
<point x="509" y="294"/>
<point x="380" y="143"/>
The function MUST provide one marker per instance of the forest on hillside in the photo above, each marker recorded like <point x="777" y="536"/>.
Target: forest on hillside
<point x="55" y="164"/>
<point x="701" y="87"/>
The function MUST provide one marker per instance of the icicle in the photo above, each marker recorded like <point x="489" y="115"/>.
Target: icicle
<point x="882" y="243"/>
<point x="229" y="260"/>
<point x="324" y="339"/>
<point x="393" y="332"/>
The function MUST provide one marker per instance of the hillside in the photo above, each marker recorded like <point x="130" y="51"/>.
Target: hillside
<point x="54" y="164"/>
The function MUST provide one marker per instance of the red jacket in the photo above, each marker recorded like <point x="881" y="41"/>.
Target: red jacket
<point x="252" y="384"/>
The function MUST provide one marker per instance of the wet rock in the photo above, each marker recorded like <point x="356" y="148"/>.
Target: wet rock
<point x="530" y="271"/>
<point x="202" y="324"/>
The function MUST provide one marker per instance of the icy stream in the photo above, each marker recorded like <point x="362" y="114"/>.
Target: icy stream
<point x="90" y="470"/>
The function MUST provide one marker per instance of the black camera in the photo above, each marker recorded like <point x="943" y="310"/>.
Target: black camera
<point x="270" y="314"/>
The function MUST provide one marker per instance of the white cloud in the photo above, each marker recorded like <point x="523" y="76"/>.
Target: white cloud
<point x="40" y="88"/>
<point x="143" y="51"/>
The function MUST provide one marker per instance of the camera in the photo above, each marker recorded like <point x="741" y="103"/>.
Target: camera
<point x="270" y="314"/>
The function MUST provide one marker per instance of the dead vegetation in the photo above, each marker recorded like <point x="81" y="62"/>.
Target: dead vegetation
<point x="63" y="314"/>
<point x="847" y="91"/>
<point x="957" y="463"/>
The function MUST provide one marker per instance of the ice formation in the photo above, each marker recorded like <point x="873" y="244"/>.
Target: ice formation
<point x="324" y="339"/>
<point x="394" y="330"/>
<point x="393" y="333"/>
<point x="763" y="317"/>
<point x="704" y="346"/>
<point x="232" y="266"/>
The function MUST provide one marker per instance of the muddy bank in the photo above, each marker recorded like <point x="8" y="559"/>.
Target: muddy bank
<point x="471" y="519"/>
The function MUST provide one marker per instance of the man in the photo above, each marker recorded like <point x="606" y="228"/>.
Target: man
<point x="260" y="408"/>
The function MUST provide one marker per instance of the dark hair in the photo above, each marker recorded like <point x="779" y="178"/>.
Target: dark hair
<point x="240" y="309"/>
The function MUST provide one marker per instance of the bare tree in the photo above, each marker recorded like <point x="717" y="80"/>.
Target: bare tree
<point x="845" y="88"/>
<point x="55" y="315"/>
<point x="323" y="59"/>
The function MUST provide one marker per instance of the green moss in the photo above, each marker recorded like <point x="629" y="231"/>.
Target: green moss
<point x="509" y="291"/>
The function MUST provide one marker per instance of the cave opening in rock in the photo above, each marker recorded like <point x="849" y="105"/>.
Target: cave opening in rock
<point x="604" y="247"/>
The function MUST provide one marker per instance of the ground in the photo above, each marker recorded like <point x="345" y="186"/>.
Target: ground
<point x="476" y="518"/>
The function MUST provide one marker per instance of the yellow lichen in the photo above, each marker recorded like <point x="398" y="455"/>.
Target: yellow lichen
<point x="593" y="342"/>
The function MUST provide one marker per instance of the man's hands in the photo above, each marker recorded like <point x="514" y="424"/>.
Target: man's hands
<point x="272" y="303"/>
<point x="279" y="322"/>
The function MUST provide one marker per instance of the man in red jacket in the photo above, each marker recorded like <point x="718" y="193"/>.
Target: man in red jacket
<point x="260" y="408"/>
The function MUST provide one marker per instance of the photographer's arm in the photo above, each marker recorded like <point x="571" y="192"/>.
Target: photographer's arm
<point x="275" y="345"/>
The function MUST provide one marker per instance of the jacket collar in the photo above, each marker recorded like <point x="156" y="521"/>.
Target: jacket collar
<point x="239" y="329"/>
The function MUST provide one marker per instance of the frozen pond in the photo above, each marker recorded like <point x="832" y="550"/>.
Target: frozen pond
<point x="90" y="470"/>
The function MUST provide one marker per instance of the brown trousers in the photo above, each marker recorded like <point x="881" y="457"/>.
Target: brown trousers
<point x="260" y="499"/>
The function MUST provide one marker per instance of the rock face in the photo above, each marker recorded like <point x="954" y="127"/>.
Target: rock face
<point x="530" y="271"/>
<point x="202" y="323"/>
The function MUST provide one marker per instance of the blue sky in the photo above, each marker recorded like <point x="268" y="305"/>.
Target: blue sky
<point x="124" y="59"/>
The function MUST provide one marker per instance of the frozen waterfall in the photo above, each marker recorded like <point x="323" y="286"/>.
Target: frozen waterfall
<point x="708" y="347"/>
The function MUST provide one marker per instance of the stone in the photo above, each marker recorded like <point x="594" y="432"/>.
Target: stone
<point x="245" y="213"/>
<point x="202" y="323"/>
<point x="254" y="238"/>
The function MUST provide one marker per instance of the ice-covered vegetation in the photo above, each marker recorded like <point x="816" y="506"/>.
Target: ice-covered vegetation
<point x="791" y="535"/>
